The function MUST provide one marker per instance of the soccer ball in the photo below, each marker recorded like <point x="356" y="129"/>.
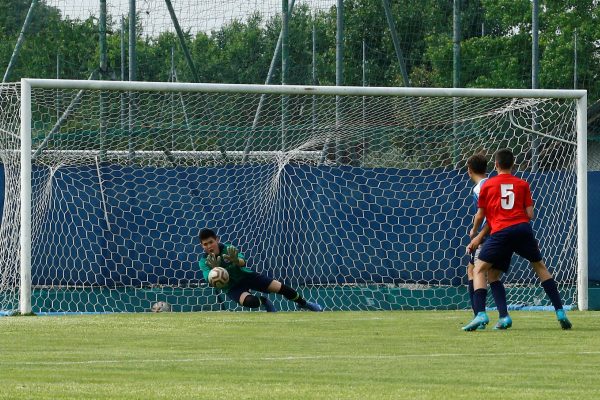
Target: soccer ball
<point x="161" y="306"/>
<point x="218" y="277"/>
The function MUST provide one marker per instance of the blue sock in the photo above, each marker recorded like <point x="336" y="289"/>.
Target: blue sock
<point x="551" y="290"/>
<point x="479" y="297"/>
<point x="471" y="291"/>
<point x="499" y="294"/>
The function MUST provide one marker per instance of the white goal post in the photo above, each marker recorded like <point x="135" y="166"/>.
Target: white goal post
<point x="358" y="196"/>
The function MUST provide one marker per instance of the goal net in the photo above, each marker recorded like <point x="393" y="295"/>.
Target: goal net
<point x="357" y="197"/>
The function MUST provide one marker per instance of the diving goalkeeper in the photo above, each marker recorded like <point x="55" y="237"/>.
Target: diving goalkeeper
<point x="242" y="280"/>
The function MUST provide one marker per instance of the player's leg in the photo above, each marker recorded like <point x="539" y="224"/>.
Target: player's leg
<point x="479" y="295"/>
<point x="292" y="295"/>
<point x="240" y="293"/>
<point x="551" y="289"/>
<point x="527" y="247"/>
<point x="541" y="271"/>
<point x="496" y="251"/>
<point x="251" y="301"/>
<point x="470" y="287"/>
<point x="499" y="295"/>
<point x="258" y="282"/>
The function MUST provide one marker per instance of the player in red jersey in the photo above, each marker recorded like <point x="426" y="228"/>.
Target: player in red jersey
<point x="505" y="202"/>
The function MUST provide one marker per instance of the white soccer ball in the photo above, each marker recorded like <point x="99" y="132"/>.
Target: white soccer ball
<point x="161" y="306"/>
<point x="218" y="277"/>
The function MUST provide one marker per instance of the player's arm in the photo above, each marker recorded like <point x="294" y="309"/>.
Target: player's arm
<point x="477" y="221"/>
<point x="480" y="214"/>
<point x="235" y="257"/>
<point x="483" y="232"/>
<point x="204" y="268"/>
<point x="476" y="241"/>
<point x="530" y="214"/>
<point x="241" y="259"/>
<point x="528" y="202"/>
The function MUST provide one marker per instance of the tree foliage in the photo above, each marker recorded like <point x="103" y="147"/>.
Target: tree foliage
<point x="495" y="45"/>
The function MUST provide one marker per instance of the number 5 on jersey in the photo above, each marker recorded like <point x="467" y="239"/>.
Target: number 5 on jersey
<point x="507" y="195"/>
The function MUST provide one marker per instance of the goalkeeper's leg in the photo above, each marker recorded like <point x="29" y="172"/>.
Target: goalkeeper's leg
<point x="240" y="293"/>
<point x="293" y="295"/>
<point x="251" y="301"/>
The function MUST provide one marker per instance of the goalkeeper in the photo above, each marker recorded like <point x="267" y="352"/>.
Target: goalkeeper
<point x="241" y="278"/>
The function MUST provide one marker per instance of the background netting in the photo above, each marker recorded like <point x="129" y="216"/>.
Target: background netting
<point x="361" y="202"/>
<point x="234" y="41"/>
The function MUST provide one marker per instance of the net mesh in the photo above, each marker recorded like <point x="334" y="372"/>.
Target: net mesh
<point x="193" y="15"/>
<point x="360" y="202"/>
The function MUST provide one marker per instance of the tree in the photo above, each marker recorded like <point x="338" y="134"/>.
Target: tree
<point x="496" y="45"/>
<point x="557" y="40"/>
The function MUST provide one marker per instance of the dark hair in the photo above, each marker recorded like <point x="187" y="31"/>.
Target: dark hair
<point x="477" y="163"/>
<point x="505" y="158"/>
<point x="207" y="234"/>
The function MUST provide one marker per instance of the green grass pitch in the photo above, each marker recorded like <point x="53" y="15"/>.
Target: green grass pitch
<point x="298" y="355"/>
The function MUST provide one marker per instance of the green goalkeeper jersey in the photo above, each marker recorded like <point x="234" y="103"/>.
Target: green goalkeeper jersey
<point x="236" y="274"/>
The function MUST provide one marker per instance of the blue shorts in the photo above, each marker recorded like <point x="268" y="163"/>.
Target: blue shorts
<point x="254" y="281"/>
<point x="500" y="246"/>
<point x="501" y="264"/>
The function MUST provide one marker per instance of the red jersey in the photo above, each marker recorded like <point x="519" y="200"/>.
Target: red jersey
<point x="504" y="199"/>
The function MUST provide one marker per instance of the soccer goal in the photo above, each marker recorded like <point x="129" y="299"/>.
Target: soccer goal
<point x="356" y="196"/>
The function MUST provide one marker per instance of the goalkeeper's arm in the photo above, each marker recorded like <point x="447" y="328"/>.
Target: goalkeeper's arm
<point x="204" y="268"/>
<point x="235" y="257"/>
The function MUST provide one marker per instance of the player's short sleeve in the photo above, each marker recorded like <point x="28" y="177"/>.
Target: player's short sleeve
<point x="528" y="198"/>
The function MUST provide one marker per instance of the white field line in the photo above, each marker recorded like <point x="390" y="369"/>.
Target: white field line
<point x="265" y="321"/>
<point x="295" y="358"/>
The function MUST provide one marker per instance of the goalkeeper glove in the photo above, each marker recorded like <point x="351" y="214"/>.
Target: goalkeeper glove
<point x="232" y="256"/>
<point x="213" y="261"/>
